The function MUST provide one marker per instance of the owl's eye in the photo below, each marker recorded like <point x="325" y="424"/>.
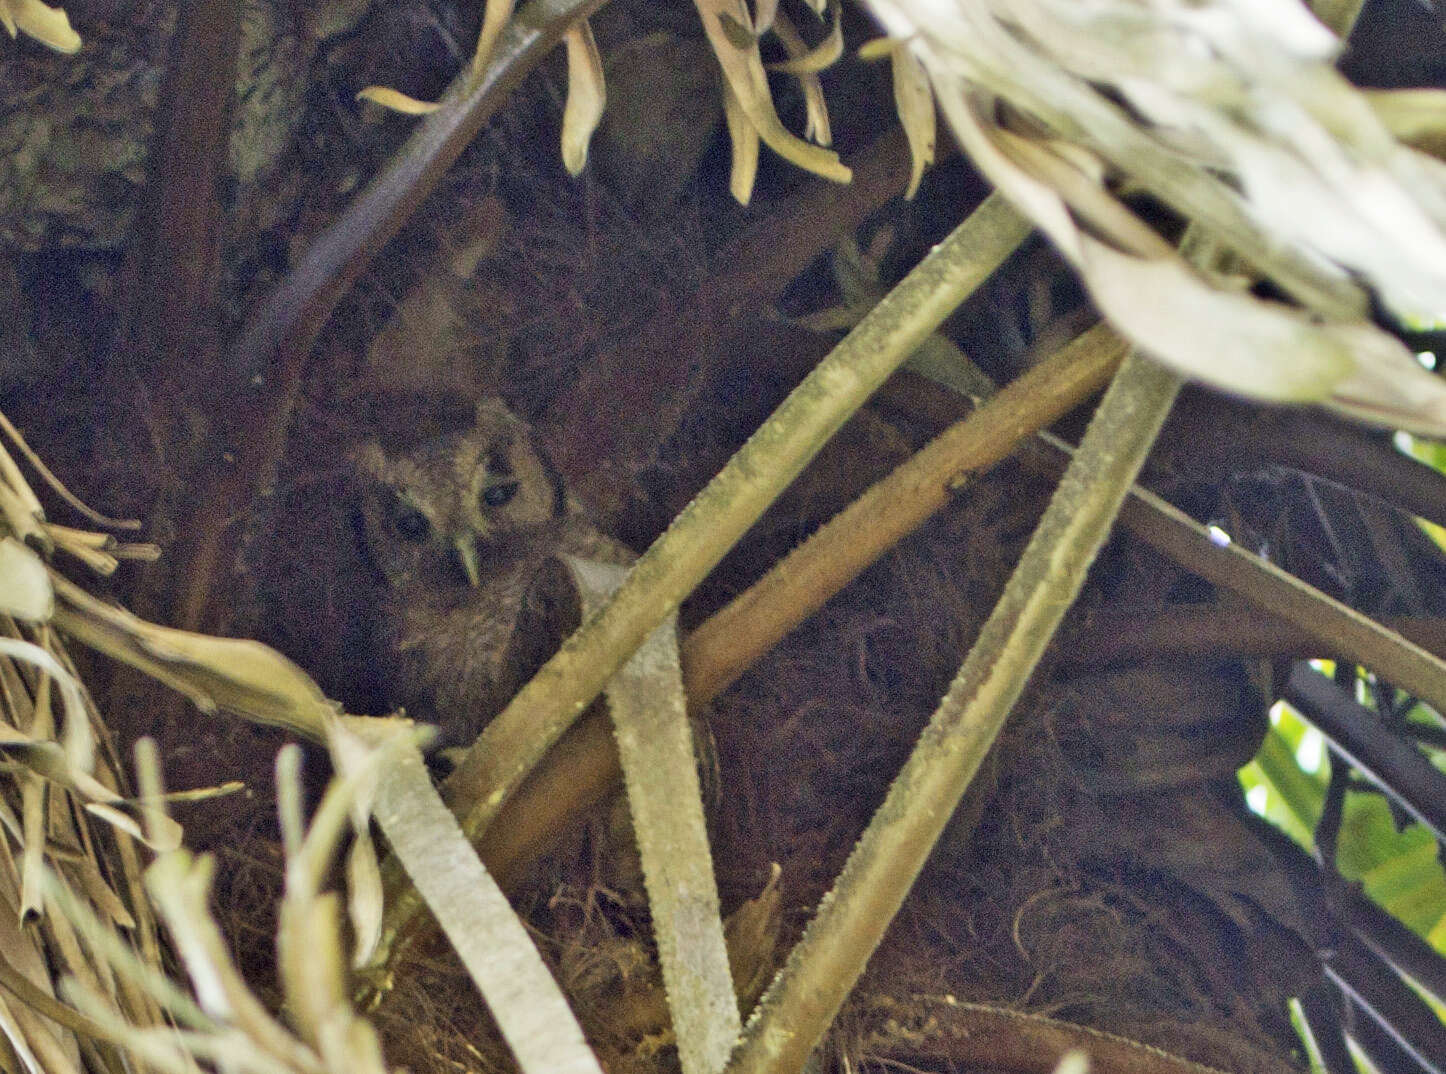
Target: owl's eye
<point x="498" y="495"/>
<point x="412" y="526"/>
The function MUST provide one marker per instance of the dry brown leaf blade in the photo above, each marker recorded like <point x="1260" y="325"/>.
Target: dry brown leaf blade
<point x="48" y="761"/>
<point x="816" y="127"/>
<point x="77" y="739"/>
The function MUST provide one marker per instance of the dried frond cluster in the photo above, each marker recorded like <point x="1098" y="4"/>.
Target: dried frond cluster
<point x="1231" y="115"/>
<point x="70" y="886"/>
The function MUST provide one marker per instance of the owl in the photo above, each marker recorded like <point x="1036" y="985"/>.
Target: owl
<point x="459" y="527"/>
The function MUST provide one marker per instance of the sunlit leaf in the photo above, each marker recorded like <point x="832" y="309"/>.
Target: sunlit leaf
<point x="743" y="71"/>
<point x="744" y="137"/>
<point x="821" y="56"/>
<point x="586" y="96"/>
<point x="915" y="102"/>
<point x="1400" y="869"/>
<point x="25" y="590"/>
<point x="816" y="123"/>
<point x="48" y="25"/>
<point x="397" y="101"/>
<point x="495" y="16"/>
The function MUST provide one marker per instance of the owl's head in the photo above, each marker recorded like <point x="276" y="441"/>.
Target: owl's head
<point x="445" y="507"/>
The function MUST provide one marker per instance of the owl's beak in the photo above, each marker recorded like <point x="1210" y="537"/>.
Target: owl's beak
<point x="471" y="564"/>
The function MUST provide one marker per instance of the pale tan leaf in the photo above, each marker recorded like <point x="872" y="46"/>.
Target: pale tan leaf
<point x="19" y="944"/>
<point x="25" y="589"/>
<point x="32" y="850"/>
<point x="1233" y="341"/>
<point x="1235" y="118"/>
<point x="18" y="1039"/>
<point x="397" y="101"/>
<point x="878" y="48"/>
<point x="495" y="17"/>
<point x="143" y="820"/>
<point x="10" y="473"/>
<point x="364" y="897"/>
<point x="1229" y="339"/>
<point x="180" y="885"/>
<point x="764" y="12"/>
<point x="21" y="515"/>
<point x="1076" y="176"/>
<point x="350" y="1044"/>
<point x="743" y="72"/>
<point x="804" y="60"/>
<point x="744" y="137"/>
<point x="165" y="834"/>
<point x="586" y="96"/>
<point x="816" y="126"/>
<point x="22" y="508"/>
<point x="78" y="741"/>
<point x="915" y="103"/>
<point x="101" y="937"/>
<point x="312" y="973"/>
<point x="1388" y="386"/>
<point x="84" y="873"/>
<point x="48" y="25"/>
<point x="1415" y="116"/>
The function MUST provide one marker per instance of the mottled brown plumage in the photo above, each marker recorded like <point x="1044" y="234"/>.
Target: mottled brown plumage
<point x="460" y="529"/>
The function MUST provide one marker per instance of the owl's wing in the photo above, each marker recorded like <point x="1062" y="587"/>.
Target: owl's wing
<point x="582" y="539"/>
